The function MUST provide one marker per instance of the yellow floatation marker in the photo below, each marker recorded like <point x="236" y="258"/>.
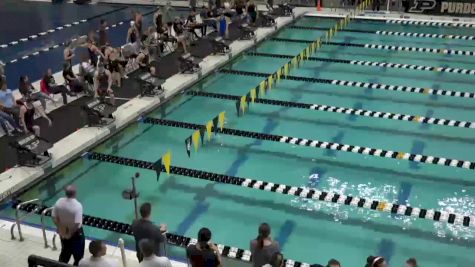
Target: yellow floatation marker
<point x="400" y="155"/>
<point x="417" y="119"/>
<point x="221" y="118"/>
<point x="426" y="91"/>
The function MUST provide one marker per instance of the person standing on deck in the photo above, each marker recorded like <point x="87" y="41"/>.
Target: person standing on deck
<point x="263" y="247"/>
<point x="168" y="16"/>
<point x="67" y="216"/>
<point x="144" y="228"/>
<point x="103" y="34"/>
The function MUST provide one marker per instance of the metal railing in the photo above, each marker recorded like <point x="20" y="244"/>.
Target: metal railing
<point x="43" y="229"/>
<point x="18" y="219"/>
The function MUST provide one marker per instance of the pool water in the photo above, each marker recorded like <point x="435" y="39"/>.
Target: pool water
<point x="308" y="231"/>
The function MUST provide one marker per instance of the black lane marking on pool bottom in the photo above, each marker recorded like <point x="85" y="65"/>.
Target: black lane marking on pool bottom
<point x="303" y="192"/>
<point x="172" y="239"/>
<point x="387" y="47"/>
<point x="464" y="164"/>
<point x="373" y="64"/>
<point x="405" y="34"/>
<point x="44" y="50"/>
<point x="65" y="26"/>
<point x="367" y="85"/>
<point x="343" y="110"/>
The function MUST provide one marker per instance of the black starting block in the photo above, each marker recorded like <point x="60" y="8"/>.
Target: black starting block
<point x="188" y="64"/>
<point x="219" y="46"/>
<point x="247" y="33"/>
<point x="99" y="113"/>
<point x="32" y="150"/>
<point x="150" y="85"/>
<point x="286" y="10"/>
<point x="267" y="20"/>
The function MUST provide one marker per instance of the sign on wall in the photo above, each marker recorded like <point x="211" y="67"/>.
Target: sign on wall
<point x="443" y="7"/>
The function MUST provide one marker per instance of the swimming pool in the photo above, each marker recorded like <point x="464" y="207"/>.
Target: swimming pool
<point x="309" y="231"/>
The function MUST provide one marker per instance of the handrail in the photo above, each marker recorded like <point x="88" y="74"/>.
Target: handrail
<point x="122" y="252"/>
<point x="18" y="219"/>
<point x="43" y="229"/>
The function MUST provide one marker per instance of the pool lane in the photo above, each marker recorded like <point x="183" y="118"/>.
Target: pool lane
<point x="369" y="25"/>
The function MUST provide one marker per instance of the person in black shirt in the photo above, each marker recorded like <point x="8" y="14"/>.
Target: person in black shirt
<point x="48" y="86"/>
<point x="180" y="33"/>
<point x="192" y="24"/>
<point x="74" y="84"/>
<point x="30" y="94"/>
<point x="204" y="253"/>
<point x="144" y="228"/>
<point x="251" y="12"/>
<point x="103" y="83"/>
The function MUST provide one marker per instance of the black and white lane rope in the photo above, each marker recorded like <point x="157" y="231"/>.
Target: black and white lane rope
<point x="372" y="204"/>
<point x="59" y="28"/>
<point x="44" y="50"/>
<point x="172" y="239"/>
<point x="375" y="64"/>
<point x="343" y="110"/>
<point x="391" y="33"/>
<point x="375" y="86"/>
<point x="388" y="47"/>
<point x="431" y="23"/>
<point x="464" y="164"/>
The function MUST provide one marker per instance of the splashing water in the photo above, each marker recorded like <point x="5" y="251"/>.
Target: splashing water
<point x="459" y="203"/>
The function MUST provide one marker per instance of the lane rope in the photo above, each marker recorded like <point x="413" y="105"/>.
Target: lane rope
<point x="375" y="86"/>
<point x="388" y="47"/>
<point x="464" y="164"/>
<point x="303" y="192"/>
<point x="172" y="239"/>
<point x="391" y="33"/>
<point x="375" y="64"/>
<point x="431" y="23"/>
<point x="343" y="110"/>
<point x="44" y="50"/>
<point x="59" y="28"/>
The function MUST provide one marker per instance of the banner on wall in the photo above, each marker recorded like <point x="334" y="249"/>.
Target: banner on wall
<point x="443" y="7"/>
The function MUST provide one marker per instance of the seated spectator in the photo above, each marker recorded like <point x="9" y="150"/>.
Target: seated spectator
<point x="103" y="83"/>
<point x="27" y="116"/>
<point x="276" y="260"/>
<point x="8" y="101"/>
<point x="143" y="59"/>
<point x="149" y="257"/>
<point x="48" y="86"/>
<point x="74" y="83"/>
<point x="411" y="262"/>
<point x="373" y="261"/>
<point x="204" y="253"/>
<point x="30" y="94"/>
<point x="7" y="120"/>
<point x="86" y="70"/>
<point x="98" y="250"/>
<point x="263" y="247"/>
<point x="144" y="228"/>
<point x="179" y="29"/>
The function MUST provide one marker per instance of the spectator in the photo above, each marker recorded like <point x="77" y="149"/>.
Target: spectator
<point x="74" y="84"/>
<point x="411" y="262"/>
<point x="192" y="24"/>
<point x="204" y="253"/>
<point x="86" y="70"/>
<point x="68" y="52"/>
<point x="48" y="86"/>
<point x="373" y="261"/>
<point x="29" y="93"/>
<point x="7" y="119"/>
<point x="251" y="12"/>
<point x="149" y="257"/>
<point x="102" y="33"/>
<point x="103" y="83"/>
<point x="8" y="101"/>
<point x="27" y="116"/>
<point x="263" y="247"/>
<point x="276" y="260"/>
<point x="144" y="228"/>
<point x="143" y="58"/>
<point x="67" y="216"/>
<point x="168" y="13"/>
<point x="180" y="33"/>
<point x="98" y="250"/>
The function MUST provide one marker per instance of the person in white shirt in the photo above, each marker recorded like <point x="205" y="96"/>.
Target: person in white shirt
<point x="149" y="257"/>
<point x="67" y="216"/>
<point x="98" y="249"/>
